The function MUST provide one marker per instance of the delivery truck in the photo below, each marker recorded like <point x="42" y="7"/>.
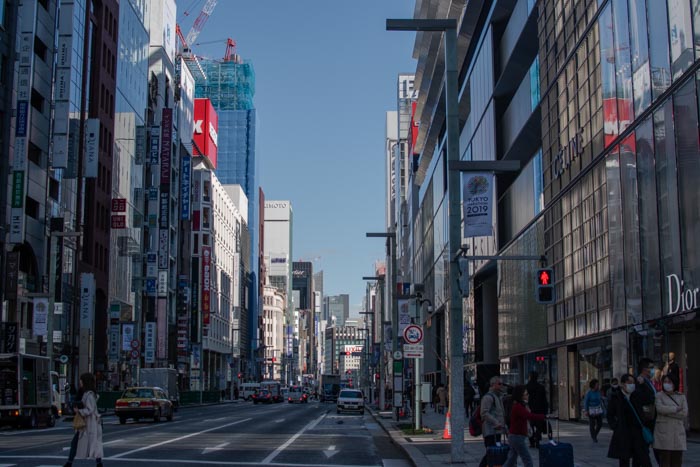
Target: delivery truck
<point x="164" y="378"/>
<point x="29" y="393"/>
<point x="330" y="387"/>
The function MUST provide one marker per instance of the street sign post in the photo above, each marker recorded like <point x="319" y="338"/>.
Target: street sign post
<point x="413" y="334"/>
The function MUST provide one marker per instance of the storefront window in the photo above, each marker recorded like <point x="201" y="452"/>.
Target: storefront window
<point x="686" y="117"/>
<point x="628" y="176"/>
<point x="640" y="55"/>
<point x="616" y="240"/>
<point x="667" y="193"/>
<point x="681" y="36"/>
<point x="607" y="67"/>
<point x="658" y="49"/>
<point x="648" y="221"/>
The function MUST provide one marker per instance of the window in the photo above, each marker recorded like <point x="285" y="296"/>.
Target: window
<point x="34" y="153"/>
<point x="40" y="48"/>
<point x="37" y="101"/>
<point x="32" y="207"/>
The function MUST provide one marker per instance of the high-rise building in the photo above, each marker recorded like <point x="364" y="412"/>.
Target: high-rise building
<point x="303" y="303"/>
<point x="336" y="309"/>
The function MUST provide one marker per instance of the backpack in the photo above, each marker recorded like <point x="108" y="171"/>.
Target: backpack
<point x="475" y="420"/>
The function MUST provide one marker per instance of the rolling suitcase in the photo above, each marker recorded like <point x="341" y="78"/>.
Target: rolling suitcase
<point x="496" y="456"/>
<point x="555" y="453"/>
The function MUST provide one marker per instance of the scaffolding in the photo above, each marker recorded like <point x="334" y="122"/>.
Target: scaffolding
<point x="230" y="85"/>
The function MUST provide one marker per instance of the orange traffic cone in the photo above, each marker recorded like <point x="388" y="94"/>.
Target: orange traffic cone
<point x="447" y="432"/>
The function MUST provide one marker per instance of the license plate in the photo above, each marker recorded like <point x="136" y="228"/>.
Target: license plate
<point x="134" y="404"/>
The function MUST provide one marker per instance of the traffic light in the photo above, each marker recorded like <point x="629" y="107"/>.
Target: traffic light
<point x="545" y="286"/>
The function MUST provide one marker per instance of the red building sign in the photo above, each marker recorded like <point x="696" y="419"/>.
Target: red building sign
<point x="206" y="130"/>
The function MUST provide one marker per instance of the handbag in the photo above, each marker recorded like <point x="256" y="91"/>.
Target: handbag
<point x="646" y="432"/>
<point x="79" y="422"/>
<point x="595" y="410"/>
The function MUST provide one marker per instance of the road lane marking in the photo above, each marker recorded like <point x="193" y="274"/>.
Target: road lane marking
<point x="103" y="444"/>
<point x="179" y="438"/>
<point x="214" y="419"/>
<point x="215" y="448"/>
<point x="187" y="461"/>
<point x="330" y="452"/>
<point x="280" y="420"/>
<point x="276" y="452"/>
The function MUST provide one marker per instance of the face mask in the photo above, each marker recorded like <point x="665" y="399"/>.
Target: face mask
<point x="652" y="372"/>
<point x="630" y="388"/>
<point x="668" y="387"/>
<point x="615" y="386"/>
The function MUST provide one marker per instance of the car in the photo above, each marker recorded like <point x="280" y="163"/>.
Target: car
<point x="296" y="394"/>
<point x="350" y="400"/>
<point x="143" y="402"/>
<point x="262" y="397"/>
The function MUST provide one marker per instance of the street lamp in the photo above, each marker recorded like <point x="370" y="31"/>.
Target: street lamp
<point x="380" y="280"/>
<point x="456" y="355"/>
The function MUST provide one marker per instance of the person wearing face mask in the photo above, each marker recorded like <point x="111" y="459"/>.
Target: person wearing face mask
<point x="669" y="432"/>
<point x="517" y="438"/>
<point x="627" y="442"/>
<point x="645" y="393"/>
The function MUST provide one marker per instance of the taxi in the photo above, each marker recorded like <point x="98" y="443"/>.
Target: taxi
<point x="143" y="402"/>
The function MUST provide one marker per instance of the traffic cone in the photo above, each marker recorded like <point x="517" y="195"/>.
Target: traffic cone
<point x="447" y="432"/>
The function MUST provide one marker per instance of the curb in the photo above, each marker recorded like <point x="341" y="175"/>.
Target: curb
<point x="414" y="454"/>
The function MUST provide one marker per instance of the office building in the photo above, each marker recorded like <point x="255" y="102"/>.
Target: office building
<point x="336" y="309"/>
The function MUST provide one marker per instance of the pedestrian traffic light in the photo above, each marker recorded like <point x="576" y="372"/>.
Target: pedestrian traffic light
<point x="545" y="286"/>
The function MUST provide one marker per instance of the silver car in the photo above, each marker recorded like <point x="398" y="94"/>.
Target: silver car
<point x="350" y="400"/>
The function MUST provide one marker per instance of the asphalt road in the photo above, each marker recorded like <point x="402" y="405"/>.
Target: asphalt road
<point x="238" y="434"/>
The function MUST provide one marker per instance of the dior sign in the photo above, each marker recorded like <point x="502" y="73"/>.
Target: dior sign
<point x="680" y="298"/>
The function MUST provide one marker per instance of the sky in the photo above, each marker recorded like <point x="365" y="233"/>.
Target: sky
<point x="326" y="73"/>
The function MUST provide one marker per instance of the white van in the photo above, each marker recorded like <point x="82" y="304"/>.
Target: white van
<point x="248" y="389"/>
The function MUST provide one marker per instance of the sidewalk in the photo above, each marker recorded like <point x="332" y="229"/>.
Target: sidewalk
<point x="432" y="450"/>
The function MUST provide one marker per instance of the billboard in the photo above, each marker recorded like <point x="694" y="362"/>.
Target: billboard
<point x="166" y="146"/>
<point x="206" y="130"/>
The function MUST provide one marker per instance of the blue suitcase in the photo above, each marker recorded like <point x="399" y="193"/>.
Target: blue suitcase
<point x="496" y="456"/>
<point x="554" y="453"/>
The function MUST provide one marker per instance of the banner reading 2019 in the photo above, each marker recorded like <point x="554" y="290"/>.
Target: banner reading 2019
<point x="477" y="203"/>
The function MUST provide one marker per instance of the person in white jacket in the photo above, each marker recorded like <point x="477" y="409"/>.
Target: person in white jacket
<point x="669" y="431"/>
<point x="89" y="438"/>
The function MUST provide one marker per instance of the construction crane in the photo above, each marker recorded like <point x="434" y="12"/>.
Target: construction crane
<point x="207" y="10"/>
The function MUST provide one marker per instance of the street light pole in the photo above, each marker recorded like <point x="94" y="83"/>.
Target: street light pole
<point x="455" y="321"/>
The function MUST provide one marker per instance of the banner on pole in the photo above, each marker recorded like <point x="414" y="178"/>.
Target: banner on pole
<point x="477" y="203"/>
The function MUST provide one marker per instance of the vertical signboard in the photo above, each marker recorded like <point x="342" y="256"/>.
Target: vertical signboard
<point x="87" y="300"/>
<point x="162" y="333"/>
<point x="166" y="146"/>
<point x="206" y="292"/>
<point x="150" y="342"/>
<point x="41" y="316"/>
<point x="140" y="146"/>
<point x="163" y="249"/>
<point x="186" y="180"/>
<point x="477" y="199"/>
<point x="61" y="113"/>
<point x="11" y="275"/>
<point x="154" y="147"/>
<point x="127" y="336"/>
<point x="92" y="147"/>
<point x="206" y="130"/>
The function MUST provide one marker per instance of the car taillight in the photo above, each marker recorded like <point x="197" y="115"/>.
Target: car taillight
<point x="122" y="404"/>
<point x="304" y="396"/>
<point x="146" y="403"/>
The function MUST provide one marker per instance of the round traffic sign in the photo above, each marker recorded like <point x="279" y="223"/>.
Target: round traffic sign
<point x="398" y="355"/>
<point x="413" y="334"/>
<point x="135" y="344"/>
<point x="135" y="354"/>
<point x="63" y="359"/>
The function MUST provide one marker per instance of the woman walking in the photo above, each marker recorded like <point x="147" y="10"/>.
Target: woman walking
<point x="627" y="442"/>
<point x="593" y="408"/>
<point x="669" y="431"/>
<point x="89" y="438"/>
<point x="517" y="437"/>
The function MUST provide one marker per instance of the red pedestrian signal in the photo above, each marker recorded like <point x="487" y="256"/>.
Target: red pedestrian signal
<point x="545" y="286"/>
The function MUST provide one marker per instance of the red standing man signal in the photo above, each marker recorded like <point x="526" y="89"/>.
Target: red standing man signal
<point x="545" y="286"/>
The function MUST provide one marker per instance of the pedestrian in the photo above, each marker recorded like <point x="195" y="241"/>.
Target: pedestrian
<point x="434" y="399"/>
<point x="669" y="432"/>
<point x="627" y="442"/>
<point x="594" y="409"/>
<point x="236" y="392"/>
<point x="442" y="399"/>
<point x="492" y="417"/>
<point x="673" y="370"/>
<point x="538" y="404"/>
<point x="644" y="397"/>
<point x="88" y="440"/>
<point x="517" y="433"/>
<point x="469" y="394"/>
<point x="656" y="380"/>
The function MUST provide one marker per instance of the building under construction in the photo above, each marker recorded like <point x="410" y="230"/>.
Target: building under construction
<point x="229" y="84"/>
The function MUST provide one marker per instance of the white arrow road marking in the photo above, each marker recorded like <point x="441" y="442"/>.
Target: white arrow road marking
<point x="103" y="444"/>
<point x="215" y="448"/>
<point x="276" y="452"/>
<point x="330" y="452"/>
<point x="280" y="420"/>
<point x="179" y="438"/>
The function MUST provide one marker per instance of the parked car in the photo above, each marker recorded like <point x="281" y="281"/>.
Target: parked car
<point x="350" y="400"/>
<point x="143" y="402"/>
<point x="262" y="397"/>
<point x="296" y="394"/>
<point x="247" y="390"/>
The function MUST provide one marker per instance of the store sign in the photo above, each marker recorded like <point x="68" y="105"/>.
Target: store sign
<point x="41" y="316"/>
<point x="567" y="155"/>
<point x="154" y="150"/>
<point x="163" y="250"/>
<point x="680" y="297"/>
<point x="185" y="187"/>
<point x="206" y="283"/>
<point x="163" y="283"/>
<point x="477" y="207"/>
<point x="127" y="336"/>
<point x="206" y="130"/>
<point x="87" y="300"/>
<point x="162" y="333"/>
<point x="92" y="147"/>
<point x="166" y="137"/>
<point x="150" y="342"/>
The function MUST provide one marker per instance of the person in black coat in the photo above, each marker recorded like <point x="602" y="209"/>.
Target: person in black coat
<point x="469" y="394"/>
<point x="537" y="404"/>
<point x="627" y="442"/>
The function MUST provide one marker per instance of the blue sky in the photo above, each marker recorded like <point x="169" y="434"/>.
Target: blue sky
<point x="326" y="73"/>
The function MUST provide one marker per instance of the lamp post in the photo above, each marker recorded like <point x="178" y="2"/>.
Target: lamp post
<point x="456" y="355"/>
<point x="397" y="379"/>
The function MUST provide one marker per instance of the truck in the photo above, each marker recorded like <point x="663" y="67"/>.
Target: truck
<point x="330" y="387"/>
<point x="275" y="389"/>
<point x="164" y="378"/>
<point x="28" y="391"/>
